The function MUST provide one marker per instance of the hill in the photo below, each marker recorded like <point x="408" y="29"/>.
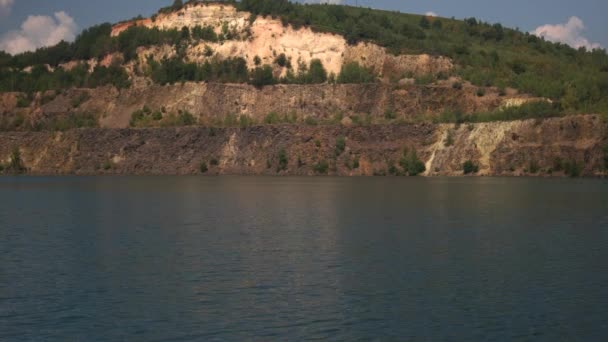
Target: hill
<point x="273" y="62"/>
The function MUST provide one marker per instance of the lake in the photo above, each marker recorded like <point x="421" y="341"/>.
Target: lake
<point x="264" y="258"/>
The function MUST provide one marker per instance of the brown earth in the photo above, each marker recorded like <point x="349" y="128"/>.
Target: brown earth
<point x="501" y="148"/>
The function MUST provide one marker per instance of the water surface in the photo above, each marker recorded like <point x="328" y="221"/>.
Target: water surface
<point x="230" y="258"/>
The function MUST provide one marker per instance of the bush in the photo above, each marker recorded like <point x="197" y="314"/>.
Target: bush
<point x="281" y="60"/>
<point x="317" y="73"/>
<point x="80" y="99"/>
<point x="354" y="73"/>
<point x="24" y="101"/>
<point x="533" y="167"/>
<point x="389" y="114"/>
<point x="340" y="145"/>
<point x="411" y="164"/>
<point x="573" y="169"/>
<point x="214" y="162"/>
<point x="283" y="161"/>
<point x="322" y="167"/>
<point x="203" y="167"/>
<point x="16" y="164"/>
<point x="272" y="118"/>
<point x="262" y="76"/>
<point x="469" y="167"/>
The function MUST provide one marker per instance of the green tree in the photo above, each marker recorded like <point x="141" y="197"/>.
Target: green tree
<point x="262" y="76"/>
<point x="317" y="72"/>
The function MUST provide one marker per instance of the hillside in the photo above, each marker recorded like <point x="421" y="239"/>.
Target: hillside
<point x="314" y="67"/>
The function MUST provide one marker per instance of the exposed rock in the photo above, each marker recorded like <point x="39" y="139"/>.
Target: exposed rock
<point x="254" y="150"/>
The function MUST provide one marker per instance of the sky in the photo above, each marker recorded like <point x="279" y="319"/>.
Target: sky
<point x="29" y="24"/>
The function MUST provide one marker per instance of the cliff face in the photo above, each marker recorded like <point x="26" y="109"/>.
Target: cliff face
<point x="266" y="38"/>
<point x="529" y="147"/>
<point x="210" y="102"/>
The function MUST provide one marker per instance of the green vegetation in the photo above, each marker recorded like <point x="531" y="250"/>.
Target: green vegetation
<point x="469" y="167"/>
<point x="485" y="54"/>
<point x="356" y="163"/>
<point x="605" y="153"/>
<point x="80" y="99"/>
<point x="146" y="118"/>
<point x="340" y="145"/>
<point x="530" y="110"/>
<point x="203" y="167"/>
<point x="15" y="165"/>
<point x="389" y="114"/>
<point x="533" y="167"/>
<point x="262" y="76"/>
<point x="322" y="167"/>
<point x="170" y="71"/>
<point x="283" y="161"/>
<point x="354" y="73"/>
<point x="572" y="169"/>
<point x="411" y="164"/>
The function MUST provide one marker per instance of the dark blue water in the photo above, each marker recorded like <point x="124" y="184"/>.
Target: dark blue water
<point x="178" y="259"/>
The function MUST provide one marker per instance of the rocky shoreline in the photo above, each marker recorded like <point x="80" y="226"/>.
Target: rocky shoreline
<point x="550" y="147"/>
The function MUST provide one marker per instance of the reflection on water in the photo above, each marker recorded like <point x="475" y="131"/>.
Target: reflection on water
<point x="230" y="258"/>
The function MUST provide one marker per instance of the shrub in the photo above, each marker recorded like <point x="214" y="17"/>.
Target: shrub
<point x="203" y="167"/>
<point x="281" y="60"/>
<point x="605" y="152"/>
<point x="389" y="114"/>
<point x="272" y="118"/>
<point x="23" y="101"/>
<point x="16" y="164"/>
<point x="354" y="73"/>
<point x="245" y="121"/>
<point x="411" y="164"/>
<point x="214" y="162"/>
<point x="340" y="145"/>
<point x="310" y="121"/>
<point x="356" y="163"/>
<point x="572" y="169"/>
<point x="321" y="167"/>
<point x="185" y="118"/>
<point x="81" y="98"/>
<point x="449" y="140"/>
<point x="469" y="167"/>
<point x="481" y="92"/>
<point x="533" y="167"/>
<point x="283" y="161"/>
<point x="262" y="76"/>
<point x="457" y="85"/>
<point x="317" y="73"/>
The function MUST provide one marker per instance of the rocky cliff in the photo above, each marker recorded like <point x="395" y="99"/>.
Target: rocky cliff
<point x="532" y="147"/>
<point x="211" y="102"/>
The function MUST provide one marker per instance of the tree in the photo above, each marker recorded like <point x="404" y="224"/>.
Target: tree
<point x="261" y="76"/>
<point x="354" y="73"/>
<point x="317" y="73"/>
<point x="469" y="167"/>
<point x="177" y="4"/>
<point x="424" y="23"/>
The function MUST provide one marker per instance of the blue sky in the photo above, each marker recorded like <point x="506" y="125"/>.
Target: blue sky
<point x="589" y="26"/>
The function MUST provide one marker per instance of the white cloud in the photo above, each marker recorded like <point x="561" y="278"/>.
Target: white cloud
<point x="5" y="7"/>
<point x="431" y="14"/>
<point x="38" y="31"/>
<point x="570" y="33"/>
